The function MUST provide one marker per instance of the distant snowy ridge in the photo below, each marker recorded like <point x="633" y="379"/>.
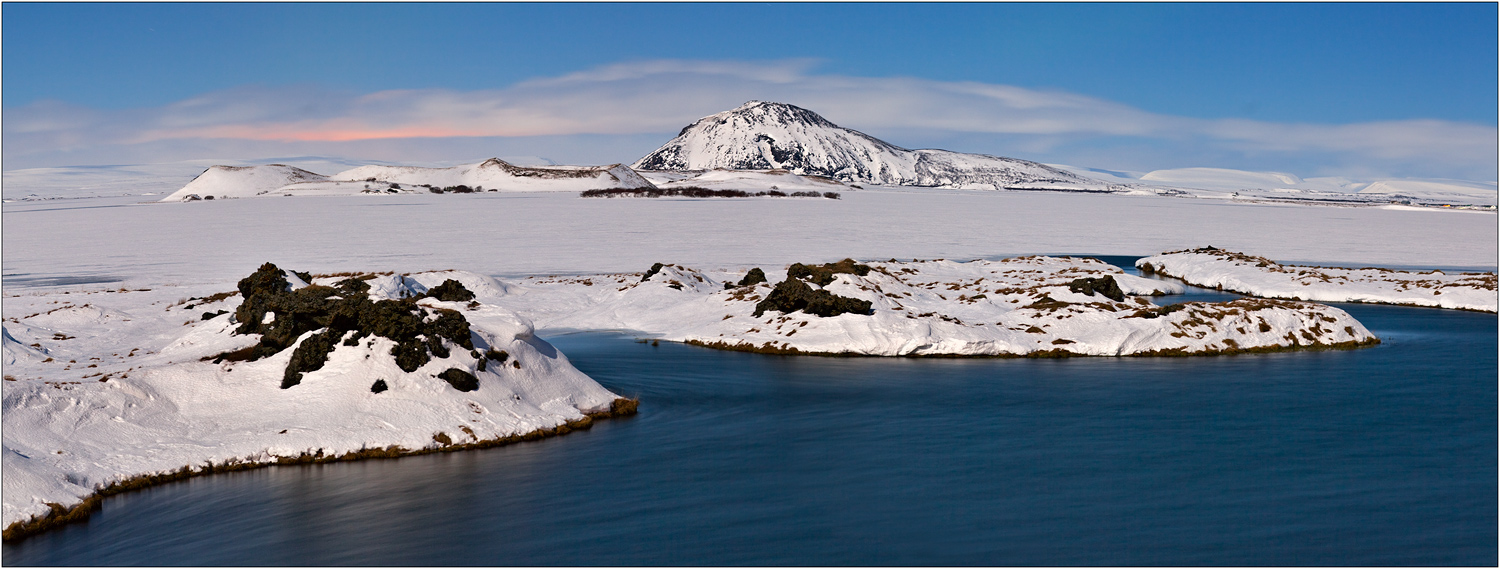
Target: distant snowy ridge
<point x="1012" y="307"/>
<point x="491" y="175"/>
<point x="1245" y="185"/>
<point x="497" y="174"/>
<point x="1210" y="267"/>
<point x="764" y="136"/>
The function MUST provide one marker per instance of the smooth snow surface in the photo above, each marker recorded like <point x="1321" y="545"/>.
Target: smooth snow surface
<point x="762" y="135"/>
<point x="1266" y="278"/>
<point x="1014" y="306"/>
<point x="121" y="390"/>
<point x="521" y="234"/>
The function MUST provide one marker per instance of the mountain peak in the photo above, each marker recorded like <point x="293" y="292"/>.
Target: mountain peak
<point x="765" y="135"/>
<point x="773" y="113"/>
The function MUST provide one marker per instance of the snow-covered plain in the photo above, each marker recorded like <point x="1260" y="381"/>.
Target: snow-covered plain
<point x="109" y="386"/>
<point x="539" y="233"/>
<point x="1263" y="277"/>
<point x="1011" y="307"/>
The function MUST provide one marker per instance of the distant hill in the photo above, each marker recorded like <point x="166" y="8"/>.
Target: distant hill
<point x="500" y="175"/>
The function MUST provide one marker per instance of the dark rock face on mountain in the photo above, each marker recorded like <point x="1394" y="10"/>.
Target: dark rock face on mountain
<point x="767" y="136"/>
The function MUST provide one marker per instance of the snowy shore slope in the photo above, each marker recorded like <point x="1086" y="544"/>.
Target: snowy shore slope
<point x="1014" y="307"/>
<point x="497" y="174"/>
<point x="761" y="135"/>
<point x="110" y="387"/>
<point x="1217" y="268"/>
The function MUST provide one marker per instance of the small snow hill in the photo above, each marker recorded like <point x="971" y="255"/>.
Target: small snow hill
<point x="763" y="135"/>
<point x="242" y="181"/>
<point x="497" y="174"/>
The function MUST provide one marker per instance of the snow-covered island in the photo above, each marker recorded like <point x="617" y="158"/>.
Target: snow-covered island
<point x="112" y="390"/>
<point x="1024" y="306"/>
<point x="1259" y="276"/>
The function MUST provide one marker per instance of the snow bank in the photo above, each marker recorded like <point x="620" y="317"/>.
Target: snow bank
<point x="132" y="392"/>
<point x="1217" y="268"/>
<point x="497" y="174"/>
<point x="1014" y="307"/>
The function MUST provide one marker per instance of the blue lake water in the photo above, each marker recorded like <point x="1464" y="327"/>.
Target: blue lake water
<point x="1379" y="456"/>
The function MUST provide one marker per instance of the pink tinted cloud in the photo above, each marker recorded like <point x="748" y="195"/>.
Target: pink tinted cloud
<point x="662" y="96"/>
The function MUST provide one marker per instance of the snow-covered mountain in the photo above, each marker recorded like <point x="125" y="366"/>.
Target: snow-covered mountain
<point x="504" y="176"/>
<point x="762" y="135"/>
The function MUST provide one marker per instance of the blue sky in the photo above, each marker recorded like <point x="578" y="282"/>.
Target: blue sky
<point x="128" y="76"/>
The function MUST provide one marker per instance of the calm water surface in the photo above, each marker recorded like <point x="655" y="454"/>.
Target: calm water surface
<point x="1380" y="456"/>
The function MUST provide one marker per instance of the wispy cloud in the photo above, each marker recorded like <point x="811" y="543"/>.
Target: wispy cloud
<point x="662" y="96"/>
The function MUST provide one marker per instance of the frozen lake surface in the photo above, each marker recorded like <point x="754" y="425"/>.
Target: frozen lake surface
<point x="520" y="234"/>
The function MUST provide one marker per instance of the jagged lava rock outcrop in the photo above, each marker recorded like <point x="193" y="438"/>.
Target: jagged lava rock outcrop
<point x="763" y="135"/>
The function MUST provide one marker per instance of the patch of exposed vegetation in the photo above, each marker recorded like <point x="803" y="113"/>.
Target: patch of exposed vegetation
<point x="1159" y="311"/>
<point x="342" y="312"/>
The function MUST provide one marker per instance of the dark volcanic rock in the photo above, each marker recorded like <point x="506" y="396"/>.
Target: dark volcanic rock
<point x="460" y="379"/>
<point x="1105" y="285"/>
<point x="823" y="274"/>
<point x="755" y="276"/>
<point x="792" y="295"/>
<point x="338" y="312"/>
<point x="655" y="268"/>
<point x="450" y="291"/>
